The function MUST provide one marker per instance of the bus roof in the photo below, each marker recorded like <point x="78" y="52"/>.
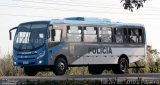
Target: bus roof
<point x="86" y="20"/>
<point x="96" y="21"/>
<point x="81" y="20"/>
<point x="43" y="21"/>
<point x="121" y="24"/>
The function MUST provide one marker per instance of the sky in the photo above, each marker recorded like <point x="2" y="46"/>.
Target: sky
<point x="14" y="12"/>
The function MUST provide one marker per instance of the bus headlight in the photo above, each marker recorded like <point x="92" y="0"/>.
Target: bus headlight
<point x="39" y="62"/>
<point x="15" y="63"/>
<point x="40" y="55"/>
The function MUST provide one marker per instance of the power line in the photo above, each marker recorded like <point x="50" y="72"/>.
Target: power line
<point x="86" y="2"/>
<point x="20" y="15"/>
<point x="82" y="5"/>
<point x="5" y="14"/>
<point x="106" y="7"/>
<point x="47" y="8"/>
<point x="88" y="11"/>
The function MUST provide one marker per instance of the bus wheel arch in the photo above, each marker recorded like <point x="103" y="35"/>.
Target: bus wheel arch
<point x="122" y="66"/>
<point x="61" y="56"/>
<point x="124" y="56"/>
<point x="60" y="65"/>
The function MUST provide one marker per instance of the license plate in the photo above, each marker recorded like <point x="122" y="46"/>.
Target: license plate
<point x="25" y="62"/>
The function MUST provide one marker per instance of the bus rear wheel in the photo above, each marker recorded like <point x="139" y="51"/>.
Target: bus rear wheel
<point x="121" y="67"/>
<point x="30" y="71"/>
<point x="60" y="66"/>
<point x="95" y="69"/>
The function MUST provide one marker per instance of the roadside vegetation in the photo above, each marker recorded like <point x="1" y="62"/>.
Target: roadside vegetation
<point x="151" y="63"/>
<point x="7" y="68"/>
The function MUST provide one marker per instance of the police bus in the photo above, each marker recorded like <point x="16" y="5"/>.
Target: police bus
<point x="77" y="41"/>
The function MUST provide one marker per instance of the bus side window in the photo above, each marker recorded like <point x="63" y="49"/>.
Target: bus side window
<point x="135" y="35"/>
<point x="74" y="33"/>
<point x="105" y="34"/>
<point x="90" y="34"/>
<point x="56" y="35"/>
<point x="119" y="35"/>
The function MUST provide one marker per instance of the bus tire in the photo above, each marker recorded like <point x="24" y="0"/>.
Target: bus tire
<point x="60" y="66"/>
<point x="95" y="69"/>
<point x="30" y="71"/>
<point x="121" y="67"/>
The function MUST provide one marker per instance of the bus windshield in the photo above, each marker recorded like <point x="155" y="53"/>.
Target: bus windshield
<point x="30" y="36"/>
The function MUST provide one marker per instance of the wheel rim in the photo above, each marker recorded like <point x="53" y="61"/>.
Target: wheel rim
<point x="61" y="66"/>
<point x="123" y="65"/>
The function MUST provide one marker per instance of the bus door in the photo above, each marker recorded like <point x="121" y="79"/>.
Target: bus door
<point x="54" y="42"/>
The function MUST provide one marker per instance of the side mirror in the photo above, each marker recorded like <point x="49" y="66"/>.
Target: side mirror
<point x="10" y="32"/>
<point x="10" y="35"/>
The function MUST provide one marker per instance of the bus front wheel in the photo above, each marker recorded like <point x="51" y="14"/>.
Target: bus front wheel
<point x="60" y="66"/>
<point x="30" y="71"/>
<point x="121" y="67"/>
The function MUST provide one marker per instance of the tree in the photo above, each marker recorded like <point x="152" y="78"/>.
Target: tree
<point x="153" y="60"/>
<point x="130" y="4"/>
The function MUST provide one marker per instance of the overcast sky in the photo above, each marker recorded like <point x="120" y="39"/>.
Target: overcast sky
<point x="13" y="12"/>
